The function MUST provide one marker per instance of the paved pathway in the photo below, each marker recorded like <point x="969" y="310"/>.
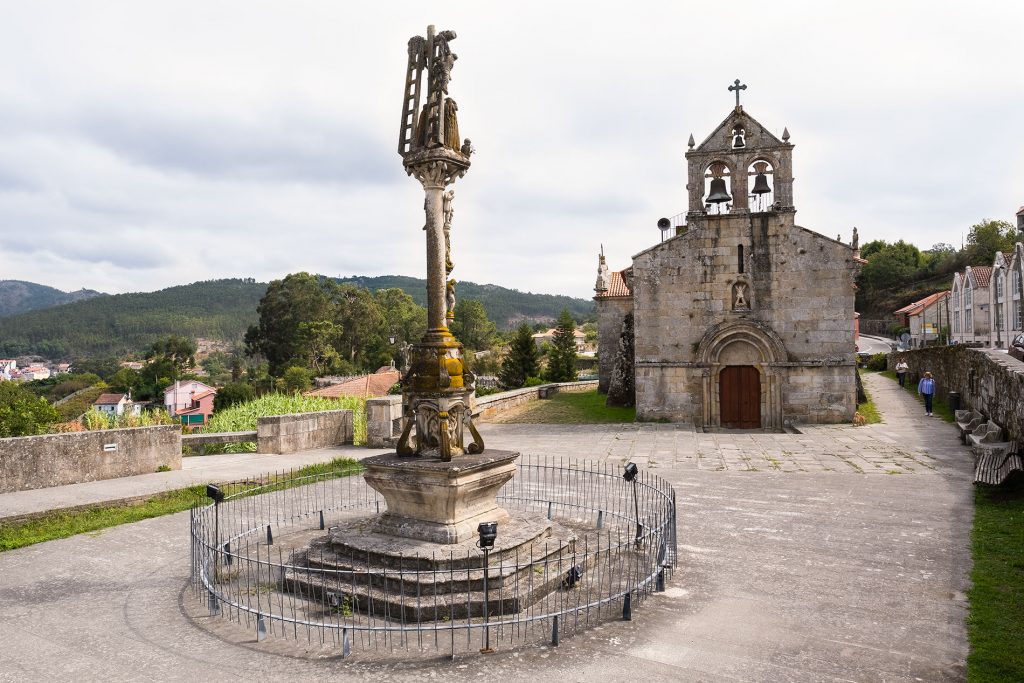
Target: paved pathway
<point x="812" y="571"/>
<point x="194" y="470"/>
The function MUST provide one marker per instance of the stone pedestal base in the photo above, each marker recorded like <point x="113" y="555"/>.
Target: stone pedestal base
<point x="437" y="501"/>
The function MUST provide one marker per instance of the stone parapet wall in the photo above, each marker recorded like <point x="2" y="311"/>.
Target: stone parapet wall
<point x="35" y="462"/>
<point x="290" y="433"/>
<point x="489" y="406"/>
<point x="987" y="380"/>
<point x="384" y="414"/>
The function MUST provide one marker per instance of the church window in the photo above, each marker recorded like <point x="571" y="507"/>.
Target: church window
<point x="739" y="257"/>
<point x="1000" y="285"/>
<point x="1018" y="320"/>
<point x="762" y="192"/>
<point x="968" y="306"/>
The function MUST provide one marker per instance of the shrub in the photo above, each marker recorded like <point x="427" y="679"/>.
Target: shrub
<point x="878" y="361"/>
<point x="534" y="382"/>
<point x="243" y="417"/>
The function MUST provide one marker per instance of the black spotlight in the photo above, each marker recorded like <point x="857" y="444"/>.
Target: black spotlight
<point x="630" y="472"/>
<point x="214" y="492"/>
<point x="488" y="532"/>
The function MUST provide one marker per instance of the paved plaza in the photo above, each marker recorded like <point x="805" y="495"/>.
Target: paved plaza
<point x="838" y="554"/>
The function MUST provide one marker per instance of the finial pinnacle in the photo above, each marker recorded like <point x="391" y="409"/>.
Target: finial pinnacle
<point x="691" y="143"/>
<point x="785" y="134"/>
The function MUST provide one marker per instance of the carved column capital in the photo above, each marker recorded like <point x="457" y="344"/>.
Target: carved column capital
<point x="436" y="168"/>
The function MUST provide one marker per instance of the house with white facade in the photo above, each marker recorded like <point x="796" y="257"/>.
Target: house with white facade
<point x="1006" y="297"/>
<point x="112" y="404"/>
<point x="971" y="319"/>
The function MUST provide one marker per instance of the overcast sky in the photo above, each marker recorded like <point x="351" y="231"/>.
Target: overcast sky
<point x="148" y="144"/>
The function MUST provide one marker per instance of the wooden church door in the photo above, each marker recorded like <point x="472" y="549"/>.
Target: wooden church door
<point x="739" y="393"/>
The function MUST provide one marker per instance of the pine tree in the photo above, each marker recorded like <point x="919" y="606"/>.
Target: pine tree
<point x="521" y="361"/>
<point x="562" y="358"/>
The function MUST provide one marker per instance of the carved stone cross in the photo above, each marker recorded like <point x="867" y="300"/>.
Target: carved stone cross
<point x="737" y="87"/>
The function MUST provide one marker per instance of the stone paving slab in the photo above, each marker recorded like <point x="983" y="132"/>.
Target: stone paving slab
<point x="814" y="575"/>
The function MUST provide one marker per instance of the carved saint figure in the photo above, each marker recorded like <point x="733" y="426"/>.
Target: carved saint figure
<point x="450" y="300"/>
<point x="740" y="295"/>
<point x="448" y="211"/>
<point x="856" y="240"/>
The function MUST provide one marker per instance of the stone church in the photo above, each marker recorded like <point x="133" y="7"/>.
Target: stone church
<point x="742" y="319"/>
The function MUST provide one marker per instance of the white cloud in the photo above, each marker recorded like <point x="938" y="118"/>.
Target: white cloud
<point x="149" y="144"/>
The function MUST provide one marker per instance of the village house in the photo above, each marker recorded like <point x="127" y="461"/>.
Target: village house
<point x="970" y="304"/>
<point x="117" y="404"/>
<point x="190" y="400"/>
<point x="1006" y="296"/>
<point x="548" y="337"/>
<point x="364" y="386"/>
<point x="926" y="318"/>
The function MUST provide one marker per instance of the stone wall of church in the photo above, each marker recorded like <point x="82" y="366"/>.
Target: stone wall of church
<point x="610" y="312"/>
<point x="793" y="281"/>
<point x="820" y="395"/>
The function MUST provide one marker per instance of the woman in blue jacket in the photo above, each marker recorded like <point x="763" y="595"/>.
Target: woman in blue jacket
<point x="926" y="387"/>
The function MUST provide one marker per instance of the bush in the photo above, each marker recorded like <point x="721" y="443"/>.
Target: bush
<point x="232" y="394"/>
<point x="878" y="361"/>
<point x="243" y="417"/>
<point x="534" y="382"/>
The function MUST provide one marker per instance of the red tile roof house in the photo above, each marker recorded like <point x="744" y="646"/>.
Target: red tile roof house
<point x="926" y="318"/>
<point x="364" y="386"/>
<point x="192" y="400"/>
<point x="113" y="404"/>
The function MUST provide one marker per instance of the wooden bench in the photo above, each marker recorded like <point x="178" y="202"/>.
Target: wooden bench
<point x="993" y="467"/>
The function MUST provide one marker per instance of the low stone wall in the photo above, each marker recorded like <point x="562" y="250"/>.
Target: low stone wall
<point x="290" y="433"/>
<point x="384" y="414"/>
<point x="489" y="406"/>
<point x="35" y="462"/>
<point x="988" y="381"/>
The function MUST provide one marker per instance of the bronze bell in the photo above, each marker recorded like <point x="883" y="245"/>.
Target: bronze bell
<point x="737" y="142"/>
<point x="761" y="184"/>
<point x="717" y="195"/>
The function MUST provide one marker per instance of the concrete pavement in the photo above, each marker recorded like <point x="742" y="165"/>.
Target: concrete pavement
<point x="846" y="562"/>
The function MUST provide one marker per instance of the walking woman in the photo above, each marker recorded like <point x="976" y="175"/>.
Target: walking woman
<point x="926" y="387"/>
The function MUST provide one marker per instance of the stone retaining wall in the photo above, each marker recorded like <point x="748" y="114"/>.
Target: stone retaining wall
<point x="35" y="462"/>
<point x="988" y="381"/>
<point x="290" y="433"/>
<point x="384" y="414"/>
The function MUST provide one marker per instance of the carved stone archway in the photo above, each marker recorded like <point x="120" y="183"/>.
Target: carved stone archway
<point x="742" y="342"/>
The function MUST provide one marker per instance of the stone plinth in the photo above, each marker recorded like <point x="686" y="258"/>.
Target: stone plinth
<point x="437" y="501"/>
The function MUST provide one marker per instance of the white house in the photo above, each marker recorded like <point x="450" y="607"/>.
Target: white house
<point x="971" y="321"/>
<point x="1006" y="297"/>
<point x="926" y="318"/>
<point x="113" y="404"/>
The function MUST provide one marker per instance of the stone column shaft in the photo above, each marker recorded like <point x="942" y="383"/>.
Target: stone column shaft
<point x="436" y="306"/>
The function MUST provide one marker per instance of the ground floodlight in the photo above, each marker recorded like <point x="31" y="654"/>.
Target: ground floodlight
<point x="631" y="471"/>
<point x="488" y="532"/>
<point x="214" y="492"/>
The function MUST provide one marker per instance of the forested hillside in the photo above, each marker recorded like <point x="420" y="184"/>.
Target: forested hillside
<point x="127" y="323"/>
<point x="899" y="273"/>
<point x="17" y="296"/>
<point x="121" y="324"/>
<point x="504" y="306"/>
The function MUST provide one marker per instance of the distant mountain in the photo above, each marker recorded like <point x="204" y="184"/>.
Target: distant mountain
<point x="123" y="324"/>
<point x="18" y="296"/>
<point x="506" y="307"/>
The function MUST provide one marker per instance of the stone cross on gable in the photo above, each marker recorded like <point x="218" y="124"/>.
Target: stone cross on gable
<point x="737" y="87"/>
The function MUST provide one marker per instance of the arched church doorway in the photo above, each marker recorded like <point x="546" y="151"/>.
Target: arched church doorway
<point x="739" y="391"/>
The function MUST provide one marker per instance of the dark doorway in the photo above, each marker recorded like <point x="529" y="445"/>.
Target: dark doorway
<point x="739" y="391"/>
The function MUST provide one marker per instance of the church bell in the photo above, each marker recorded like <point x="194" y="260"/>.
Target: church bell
<point x="718" y="193"/>
<point x="761" y="180"/>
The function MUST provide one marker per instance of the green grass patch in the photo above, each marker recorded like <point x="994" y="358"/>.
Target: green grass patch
<point x="939" y="405"/>
<point x="62" y="524"/>
<point x="995" y="623"/>
<point x="569" y="408"/>
<point x="243" y="417"/>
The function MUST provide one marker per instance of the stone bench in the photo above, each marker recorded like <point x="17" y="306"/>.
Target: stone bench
<point x="986" y="434"/>
<point x="967" y="421"/>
